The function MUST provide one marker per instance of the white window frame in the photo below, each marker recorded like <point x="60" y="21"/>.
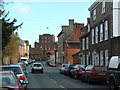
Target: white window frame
<point x="83" y="44"/>
<point x="103" y="6"/>
<point x="106" y="29"/>
<point x="93" y="36"/>
<point x="106" y="57"/>
<point x="101" y="32"/>
<point x="96" y="34"/>
<point x="87" y="42"/>
<point x="94" y="14"/>
<point x="88" y="27"/>
<point x="93" y="61"/>
<point x="83" y="59"/>
<point x="87" y="57"/>
<point x="101" y="58"/>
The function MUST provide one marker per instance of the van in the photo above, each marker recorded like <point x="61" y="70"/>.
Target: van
<point x="113" y="73"/>
<point x="24" y="59"/>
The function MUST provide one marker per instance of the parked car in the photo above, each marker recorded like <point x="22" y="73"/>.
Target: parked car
<point x="77" y="71"/>
<point x="10" y="81"/>
<point x="17" y="69"/>
<point x="66" y="70"/>
<point x="113" y="73"/>
<point x="37" y="67"/>
<point x="23" y="66"/>
<point x="94" y="73"/>
<point x="70" y="67"/>
<point x="62" y="68"/>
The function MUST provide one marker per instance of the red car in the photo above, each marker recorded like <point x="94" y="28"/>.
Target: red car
<point x="9" y="81"/>
<point x="77" y="71"/>
<point x="52" y="64"/>
<point x="94" y="73"/>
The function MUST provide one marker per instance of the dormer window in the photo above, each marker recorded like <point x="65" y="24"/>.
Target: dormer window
<point x="103" y="6"/>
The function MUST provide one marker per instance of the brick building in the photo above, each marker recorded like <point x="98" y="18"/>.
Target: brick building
<point x="62" y="36"/>
<point x="68" y="41"/>
<point x="46" y="45"/>
<point x="104" y="42"/>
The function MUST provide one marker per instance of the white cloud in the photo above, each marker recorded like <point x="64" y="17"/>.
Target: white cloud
<point x="25" y="9"/>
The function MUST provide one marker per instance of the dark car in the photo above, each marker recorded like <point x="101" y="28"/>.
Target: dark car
<point x="113" y="73"/>
<point x="94" y="73"/>
<point x="77" y="71"/>
<point x="70" y="67"/>
<point x="37" y="67"/>
<point x="10" y="81"/>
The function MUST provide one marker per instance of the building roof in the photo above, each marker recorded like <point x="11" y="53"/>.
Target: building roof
<point x="59" y="34"/>
<point x="94" y="4"/>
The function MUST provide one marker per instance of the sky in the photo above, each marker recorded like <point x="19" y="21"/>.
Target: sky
<point x="46" y="17"/>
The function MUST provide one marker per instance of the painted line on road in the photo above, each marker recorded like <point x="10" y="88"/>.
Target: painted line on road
<point x="61" y="86"/>
<point x="53" y="81"/>
<point x="56" y="83"/>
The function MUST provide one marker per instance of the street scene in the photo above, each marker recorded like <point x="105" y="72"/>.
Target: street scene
<point x="51" y="78"/>
<point x="60" y="45"/>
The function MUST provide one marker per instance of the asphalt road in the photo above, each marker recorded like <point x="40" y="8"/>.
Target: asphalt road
<point x="51" y="79"/>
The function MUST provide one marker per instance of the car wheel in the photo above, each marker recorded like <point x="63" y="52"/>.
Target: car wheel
<point x="82" y="78"/>
<point x="89" y="80"/>
<point x="32" y="71"/>
<point x="112" y="85"/>
<point x="75" y="76"/>
<point x="42" y="71"/>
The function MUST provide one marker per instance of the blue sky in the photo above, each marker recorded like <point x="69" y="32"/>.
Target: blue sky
<point x="36" y="16"/>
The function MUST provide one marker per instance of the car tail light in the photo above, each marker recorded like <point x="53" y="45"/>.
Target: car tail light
<point x="22" y="78"/>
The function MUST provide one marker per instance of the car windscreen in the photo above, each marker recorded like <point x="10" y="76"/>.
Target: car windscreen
<point x="16" y="70"/>
<point x="7" y="80"/>
<point x="100" y="69"/>
<point x="23" y="59"/>
<point x="64" y="65"/>
<point x="37" y="65"/>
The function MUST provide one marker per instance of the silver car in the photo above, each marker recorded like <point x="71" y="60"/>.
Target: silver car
<point x="37" y="67"/>
<point x="63" y="67"/>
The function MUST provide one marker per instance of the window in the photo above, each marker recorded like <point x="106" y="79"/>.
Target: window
<point x="83" y="44"/>
<point x="87" y="59"/>
<point x="87" y="42"/>
<point x="88" y="28"/>
<point x="103" y="6"/>
<point x="106" y="57"/>
<point x="93" y="61"/>
<point x="101" y="32"/>
<point x="96" y="33"/>
<point x="93" y="36"/>
<point x="83" y="59"/>
<point x="106" y="30"/>
<point x="101" y="58"/>
<point x="94" y="14"/>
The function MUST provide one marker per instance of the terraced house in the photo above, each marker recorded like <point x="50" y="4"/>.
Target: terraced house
<point x="104" y="34"/>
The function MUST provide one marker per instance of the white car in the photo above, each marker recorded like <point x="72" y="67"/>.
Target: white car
<point x="37" y="67"/>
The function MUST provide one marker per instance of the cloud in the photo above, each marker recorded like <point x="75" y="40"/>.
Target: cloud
<point x="24" y="9"/>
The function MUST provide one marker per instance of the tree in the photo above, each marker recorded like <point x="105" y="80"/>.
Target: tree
<point x="9" y="39"/>
<point x="7" y="29"/>
<point x="11" y="49"/>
